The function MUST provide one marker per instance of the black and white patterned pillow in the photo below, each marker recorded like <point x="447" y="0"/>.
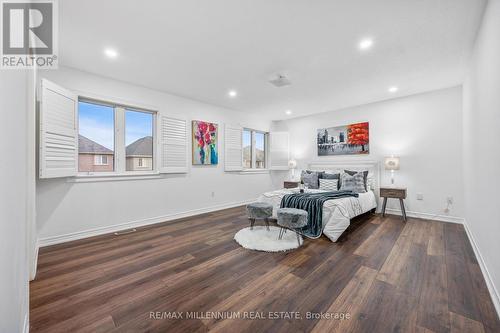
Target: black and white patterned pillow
<point x="332" y="176"/>
<point x="355" y="183"/>
<point x="328" y="184"/>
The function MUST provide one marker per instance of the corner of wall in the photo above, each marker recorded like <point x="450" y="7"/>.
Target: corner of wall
<point x="495" y="295"/>
<point x="34" y="260"/>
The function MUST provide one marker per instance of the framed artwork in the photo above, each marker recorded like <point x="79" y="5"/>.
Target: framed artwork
<point x="344" y="140"/>
<point x="205" y="140"/>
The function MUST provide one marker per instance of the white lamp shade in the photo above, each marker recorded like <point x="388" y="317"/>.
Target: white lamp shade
<point x="292" y="164"/>
<point x="391" y="163"/>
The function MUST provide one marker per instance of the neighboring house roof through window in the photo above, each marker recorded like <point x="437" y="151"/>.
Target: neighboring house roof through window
<point x="87" y="146"/>
<point x="141" y="148"/>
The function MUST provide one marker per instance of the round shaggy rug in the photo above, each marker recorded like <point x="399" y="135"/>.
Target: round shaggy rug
<point x="261" y="239"/>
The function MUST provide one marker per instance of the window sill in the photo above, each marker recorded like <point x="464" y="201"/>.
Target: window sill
<point x="84" y="178"/>
<point x="253" y="171"/>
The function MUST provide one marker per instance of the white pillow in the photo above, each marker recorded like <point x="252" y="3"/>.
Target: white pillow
<point x="370" y="182"/>
<point x="328" y="184"/>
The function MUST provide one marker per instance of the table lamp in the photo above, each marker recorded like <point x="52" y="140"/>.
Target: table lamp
<point x="392" y="164"/>
<point x="292" y="164"/>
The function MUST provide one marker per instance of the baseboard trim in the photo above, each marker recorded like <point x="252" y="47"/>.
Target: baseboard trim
<point x="53" y="240"/>
<point x="495" y="295"/>
<point x="26" y="325"/>
<point x="427" y="216"/>
<point x="34" y="263"/>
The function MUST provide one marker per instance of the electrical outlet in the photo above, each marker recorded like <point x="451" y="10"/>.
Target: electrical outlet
<point x="420" y="196"/>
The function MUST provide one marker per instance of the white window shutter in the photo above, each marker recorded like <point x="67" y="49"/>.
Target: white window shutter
<point x="279" y="150"/>
<point x="233" y="146"/>
<point x="58" y="131"/>
<point x="173" y="145"/>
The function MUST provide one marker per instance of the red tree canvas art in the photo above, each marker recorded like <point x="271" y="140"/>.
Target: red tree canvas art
<point x="358" y="134"/>
<point x="205" y="137"/>
<point x="344" y="140"/>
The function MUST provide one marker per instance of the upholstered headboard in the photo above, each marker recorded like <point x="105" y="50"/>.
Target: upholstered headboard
<point x="373" y="168"/>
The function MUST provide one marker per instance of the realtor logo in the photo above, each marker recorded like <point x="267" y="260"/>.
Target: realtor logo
<point x="29" y="31"/>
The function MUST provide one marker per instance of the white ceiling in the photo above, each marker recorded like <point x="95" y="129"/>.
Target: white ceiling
<point x="201" y="49"/>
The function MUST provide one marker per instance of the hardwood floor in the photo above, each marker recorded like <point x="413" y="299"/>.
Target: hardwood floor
<point x="384" y="274"/>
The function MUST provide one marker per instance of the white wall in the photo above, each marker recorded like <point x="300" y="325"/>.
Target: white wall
<point x="481" y="143"/>
<point x="13" y="200"/>
<point x="425" y="130"/>
<point x="65" y="208"/>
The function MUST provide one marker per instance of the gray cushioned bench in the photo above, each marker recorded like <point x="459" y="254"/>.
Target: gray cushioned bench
<point x="259" y="210"/>
<point x="293" y="219"/>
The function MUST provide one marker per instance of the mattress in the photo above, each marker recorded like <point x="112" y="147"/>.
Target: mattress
<point x="337" y="214"/>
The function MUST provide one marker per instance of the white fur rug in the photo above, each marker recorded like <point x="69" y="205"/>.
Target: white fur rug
<point x="262" y="240"/>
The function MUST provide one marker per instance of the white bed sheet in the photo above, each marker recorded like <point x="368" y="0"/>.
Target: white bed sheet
<point x="337" y="213"/>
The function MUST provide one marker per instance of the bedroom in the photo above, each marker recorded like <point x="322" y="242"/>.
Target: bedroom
<point x="156" y="159"/>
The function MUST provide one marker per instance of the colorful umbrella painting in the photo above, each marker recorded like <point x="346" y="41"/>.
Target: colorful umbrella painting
<point x="205" y="137"/>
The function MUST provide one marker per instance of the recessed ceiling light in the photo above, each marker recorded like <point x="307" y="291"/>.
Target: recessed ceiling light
<point x="288" y="112"/>
<point x="393" y="89"/>
<point x="111" y="53"/>
<point x="365" y="44"/>
<point x="232" y="93"/>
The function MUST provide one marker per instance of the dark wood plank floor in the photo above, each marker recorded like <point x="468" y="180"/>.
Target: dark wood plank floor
<point x="387" y="276"/>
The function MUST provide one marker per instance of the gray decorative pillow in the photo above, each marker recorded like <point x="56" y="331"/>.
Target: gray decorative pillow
<point x="320" y="173"/>
<point x="353" y="183"/>
<point x="311" y="180"/>
<point x="365" y="174"/>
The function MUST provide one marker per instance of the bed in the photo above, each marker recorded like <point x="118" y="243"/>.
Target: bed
<point x="337" y="213"/>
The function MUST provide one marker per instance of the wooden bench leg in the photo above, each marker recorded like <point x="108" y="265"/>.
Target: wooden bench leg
<point x="403" y="210"/>
<point x="383" y="207"/>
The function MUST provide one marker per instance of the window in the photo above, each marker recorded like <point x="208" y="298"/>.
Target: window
<point x="101" y="160"/>
<point x="247" y="149"/>
<point x="260" y="150"/>
<point x="96" y="137"/>
<point x="254" y="149"/>
<point x="139" y="140"/>
<point x="113" y="138"/>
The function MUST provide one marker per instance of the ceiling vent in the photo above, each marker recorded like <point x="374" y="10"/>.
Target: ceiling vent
<point x="280" y="81"/>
